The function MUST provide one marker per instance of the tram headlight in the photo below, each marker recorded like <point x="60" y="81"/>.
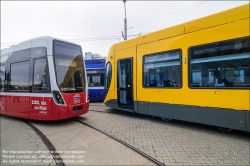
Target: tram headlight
<point x="58" y="98"/>
<point x="87" y="95"/>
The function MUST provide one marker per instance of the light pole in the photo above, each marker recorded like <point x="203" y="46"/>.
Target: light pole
<point x="125" y="21"/>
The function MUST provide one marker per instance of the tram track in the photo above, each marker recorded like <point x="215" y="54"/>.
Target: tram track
<point x="126" y="113"/>
<point x="96" y="105"/>
<point x="124" y="143"/>
<point x="105" y="112"/>
<point x="52" y="150"/>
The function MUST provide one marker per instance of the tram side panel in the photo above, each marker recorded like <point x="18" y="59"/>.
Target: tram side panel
<point x="3" y="96"/>
<point x="17" y="73"/>
<point x="3" y="101"/>
<point x="18" y="99"/>
<point x="43" y="107"/>
<point x="218" y="106"/>
<point x="125" y="60"/>
<point x="228" y="37"/>
<point x="159" y="62"/>
<point x="183" y="43"/>
<point x="18" y="104"/>
<point x="231" y="103"/>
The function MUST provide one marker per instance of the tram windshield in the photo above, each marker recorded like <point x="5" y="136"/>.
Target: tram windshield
<point x="69" y="67"/>
<point x="95" y="77"/>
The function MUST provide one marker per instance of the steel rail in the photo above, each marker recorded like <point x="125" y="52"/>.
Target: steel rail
<point x="56" y="156"/>
<point x="124" y="143"/>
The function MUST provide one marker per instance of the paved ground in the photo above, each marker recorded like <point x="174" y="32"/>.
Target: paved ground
<point x="95" y="148"/>
<point x="173" y="142"/>
<point x="20" y="145"/>
<point x="76" y="143"/>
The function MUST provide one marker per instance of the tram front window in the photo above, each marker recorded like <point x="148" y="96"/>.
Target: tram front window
<point x="69" y="67"/>
<point x="95" y="78"/>
<point x="108" y="76"/>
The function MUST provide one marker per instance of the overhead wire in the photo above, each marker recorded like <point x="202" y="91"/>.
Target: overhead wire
<point x="82" y="39"/>
<point x="166" y="15"/>
<point x="114" y="37"/>
<point x="95" y="38"/>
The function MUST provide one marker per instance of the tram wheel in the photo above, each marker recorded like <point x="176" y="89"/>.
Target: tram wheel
<point x="166" y="119"/>
<point x="225" y="129"/>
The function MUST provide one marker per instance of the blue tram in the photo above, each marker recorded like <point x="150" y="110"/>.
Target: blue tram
<point x="95" y="69"/>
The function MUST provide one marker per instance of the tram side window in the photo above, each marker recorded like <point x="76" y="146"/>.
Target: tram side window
<point x="222" y="64"/>
<point x="2" y="77"/>
<point x="19" y="76"/>
<point x="41" y="81"/>
<point x="162" y="69"/>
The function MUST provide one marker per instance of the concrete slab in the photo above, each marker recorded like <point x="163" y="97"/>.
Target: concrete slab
<point x="58" y="126"/>
<point x="94" y="147"/>
<point x="20" y="144"/>
<point x="110" y="152"/>
<point x="75" y="138"/>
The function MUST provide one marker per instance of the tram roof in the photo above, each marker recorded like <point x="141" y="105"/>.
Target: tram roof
<point x="223" y="17"/>
<point x="95" y="63"/>
<point x="42" y="41"/>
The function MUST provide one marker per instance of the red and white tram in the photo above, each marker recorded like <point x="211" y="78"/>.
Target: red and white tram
<point x="43" y="79"/>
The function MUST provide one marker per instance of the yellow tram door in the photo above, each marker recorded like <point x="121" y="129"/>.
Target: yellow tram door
<point x="125" y="80"/>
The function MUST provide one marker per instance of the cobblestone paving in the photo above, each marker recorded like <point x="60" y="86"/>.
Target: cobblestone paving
<point x="20" y="145"/>
<point x="173" y="142"/>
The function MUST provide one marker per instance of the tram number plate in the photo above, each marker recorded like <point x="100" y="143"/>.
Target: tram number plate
<point x="35" y="102"/>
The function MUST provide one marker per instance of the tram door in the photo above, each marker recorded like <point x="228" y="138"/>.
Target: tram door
<point x="125" y="84"/>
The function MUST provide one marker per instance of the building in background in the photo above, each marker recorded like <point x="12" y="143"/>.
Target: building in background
<point x="89" y="55"/>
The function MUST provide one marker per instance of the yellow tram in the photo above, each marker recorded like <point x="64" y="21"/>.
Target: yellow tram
<point x="198" y="71"/>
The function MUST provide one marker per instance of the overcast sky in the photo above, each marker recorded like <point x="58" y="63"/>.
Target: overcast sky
<point x="96" y="25"/>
